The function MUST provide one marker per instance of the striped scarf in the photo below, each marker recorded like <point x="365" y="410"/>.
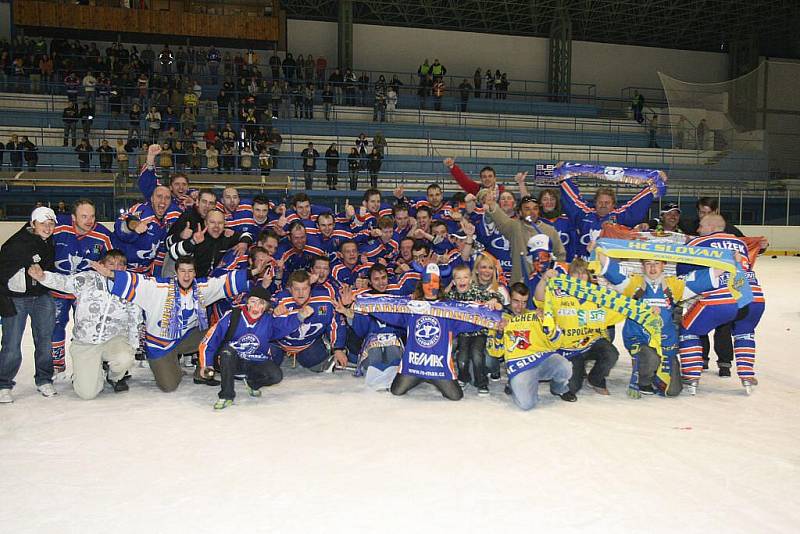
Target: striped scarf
<point x="611" y="300"/>
<point x="171" y="318"/>
<point x="716" y="258"/>
<point x="459" y="311"/>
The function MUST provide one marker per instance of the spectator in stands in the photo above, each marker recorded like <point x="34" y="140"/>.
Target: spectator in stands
<point x="264" y="161"/>
<point x="148" y="58"/>
<point x="706" y="206"/>
<point x="62" y="208"/>
<point x="90" y="88"/>
<point x="477" y="79"/>
<point x="275" y="142"/>
<point x="5" y="65"/>
<point x="380" y="143"/>
<point x="437" y="70"/>
<point x="179" y="157"/>
<point x="195" y="154"/>
<point x="143" y="87"/>
<point x="438" y="93"/>
<point x="652" y="128"/>
<point x="308" y="100"/>
<point x="212" y="158"/>
<point x="353" y="166"/>
<point x="153" y="120"/>
<point x="188" y="120"/>
<point x="680" y="133"/>
<point x="489" y="83"/>
<point x="72" y="85"/>
<point x="169" y="119"/>
<point x="503" y="89"/>
<point x="288" y="65"/>
<point x="181" y="57"/>
<point x="275" y="65"/>
<point x="300" y="68"/>
<point x="637" y="105"/>
<point x="228" y="157"/>
<point x="122" y="160"/>
<point x="84" y="150"/>
<point x="423" y="71"/>
<point x="2" y="149"/>
<point x="464" y="89"/>
<point x="321" y="66"/>
<point x="46" y="69"/>
<point x="165" y="160"/>
<point x="213" y="58"/>
<point x="86" y="113"/>
<point x="31" y="153"/>
<point x="332" y="166"/>
<point x="14" y="149"/>
<point x="308" y="67"/>
<point x="327" y="101"/>
<point x="498" y="84"/>
<point x="309" y="156"/>
<point x="350" y="82"/>
<point x="391" y="103"/>
<point x="246" y="159"/>
<point x="702" y="128"/>
<point x="70" y="118"/>
<point x="105" y="153"/>
<point x="362" y="144"/>
<point x="363" y="87"/>
<point x="374" y="166"/>
<point x="135" y="122"/>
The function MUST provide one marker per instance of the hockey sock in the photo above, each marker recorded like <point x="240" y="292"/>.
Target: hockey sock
<point x="744" y="350"/>
<point x="691" y="356"/>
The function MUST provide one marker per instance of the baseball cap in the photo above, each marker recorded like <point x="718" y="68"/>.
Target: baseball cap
<point x="672" y="206"/>
<point x="42" y="214"/>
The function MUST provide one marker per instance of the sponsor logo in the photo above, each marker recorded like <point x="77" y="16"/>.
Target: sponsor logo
<point x="427" y="331"/>
<point x="425" y="360"/>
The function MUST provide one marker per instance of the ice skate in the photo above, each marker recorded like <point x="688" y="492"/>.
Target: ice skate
<point x="690" y="385"/>
<point x="749" y="383"/>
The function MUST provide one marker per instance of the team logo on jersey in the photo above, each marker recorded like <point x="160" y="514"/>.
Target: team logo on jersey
<point x="247" y="345"/>
<point x="520" y="340"/>
<point x="306" y="331"/>
<point x="427" y="331"/>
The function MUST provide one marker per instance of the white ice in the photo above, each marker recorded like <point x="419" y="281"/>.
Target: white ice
<point x="318" y="453"/>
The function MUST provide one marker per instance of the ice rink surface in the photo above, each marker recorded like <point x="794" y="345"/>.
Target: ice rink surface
<point x="319" y="453"/>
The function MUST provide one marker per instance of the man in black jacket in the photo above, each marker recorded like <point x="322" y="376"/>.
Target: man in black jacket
<point x="14" y="149"/>
<point x="207" y="244"/>
<point x="31" y="153"/>
<point x="70" y="117"/>
<point x="22" y="296"/>
<point x="309" y="156"/>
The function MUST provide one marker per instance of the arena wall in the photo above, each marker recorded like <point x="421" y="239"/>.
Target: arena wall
<point x="610" y="67"/>
<point x="780" y="237"/>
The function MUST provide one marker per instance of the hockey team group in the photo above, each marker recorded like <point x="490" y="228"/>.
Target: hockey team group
<point x="490" y="285"/>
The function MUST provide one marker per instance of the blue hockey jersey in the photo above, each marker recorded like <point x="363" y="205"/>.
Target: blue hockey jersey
<point x="74" y="251"/>
<point x="325" y="321"/>
<point x="252" y="337"/>
<point x="146" y="251"/>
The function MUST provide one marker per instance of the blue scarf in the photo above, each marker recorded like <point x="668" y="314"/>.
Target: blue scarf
<point x="172" y="310"/>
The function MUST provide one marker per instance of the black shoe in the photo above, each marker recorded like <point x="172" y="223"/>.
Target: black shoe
<point x="120" y="385"/>
<point x="495" y="377"/>
<point x="507" y="389"/>
<point x="705" y="365"/>
<point x="207" y="381"/>
<point x="647" y="390"/>
<point x="725" y="372"/>
<point x="568" y="396"/>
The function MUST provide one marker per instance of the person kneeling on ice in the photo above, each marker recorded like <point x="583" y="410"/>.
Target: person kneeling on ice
<point x="307" y="343"/>
<point x="379" y="345"/>
<point x="584" y="327"/>
<point x="105" y="329"/>
<point x="431" y="326"/>
<point x="530" y="353"/>
<point x="664" y="293"/>
<point x="241" y="343"/>
<point x="175" y="312"/>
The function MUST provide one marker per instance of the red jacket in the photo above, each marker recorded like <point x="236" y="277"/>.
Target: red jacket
<point x="468" y="184"/>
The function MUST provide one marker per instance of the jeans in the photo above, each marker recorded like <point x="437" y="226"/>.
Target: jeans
<point x="605" y="356"/>
<point x="648" y="363"/>
<point x="471" y="351"/>
<point x="308" y="177"/>
<point x="70" y="132"/>
<point x="525" y="384"/>
<point x="42" y="312"/>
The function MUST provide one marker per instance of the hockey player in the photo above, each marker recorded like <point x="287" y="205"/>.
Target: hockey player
<point x="719" y="307"/>
<point x="296" y="253"/>
<point x="240" y="343"/>
<point x="588" y="220"/>
<point x="349" y="271"/>
<point x="141" y="233"/>
<point x="664" y="293"/>
<point x="78" y="240"/>
<point x="307" y="343"/>
<point x="175" y="311"/>
<point x="181" y="198"/>
<point x="239" y="216"/>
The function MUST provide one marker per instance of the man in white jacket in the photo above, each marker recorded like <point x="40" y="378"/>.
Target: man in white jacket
<point x="105" y="330"/>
